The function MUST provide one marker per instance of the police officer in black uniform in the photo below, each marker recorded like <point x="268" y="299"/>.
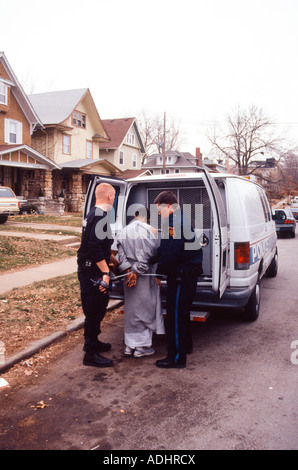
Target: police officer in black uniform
<point x="180" y="259"/>
<point x="94" y="256"/>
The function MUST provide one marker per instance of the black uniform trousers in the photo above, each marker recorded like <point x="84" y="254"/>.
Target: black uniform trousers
<point x="180" y="295"/>
<point x="94" y="305"/>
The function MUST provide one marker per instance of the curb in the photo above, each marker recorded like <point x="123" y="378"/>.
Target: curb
<point x="36" y="346"/>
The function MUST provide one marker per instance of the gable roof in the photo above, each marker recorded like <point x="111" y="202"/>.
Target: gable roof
<point x="87" y="164"/>
<point x="20" y="95"/>
<point x="41" y="160"/>
<point x="117" y="130"/>
<point x="184" y="160"/>
<point x="56" y="106"/>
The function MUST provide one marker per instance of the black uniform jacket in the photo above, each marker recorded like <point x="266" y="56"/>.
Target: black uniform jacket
<point x="179" y="249"/>
<point x="96" y="239"/>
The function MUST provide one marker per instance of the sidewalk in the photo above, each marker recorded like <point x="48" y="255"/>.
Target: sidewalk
<point x="42" y="272"/>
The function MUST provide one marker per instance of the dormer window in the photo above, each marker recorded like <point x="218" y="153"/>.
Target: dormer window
<point x="79" y="119"/>
<point x="3" y="93"/>
<point x="168" y="160"/>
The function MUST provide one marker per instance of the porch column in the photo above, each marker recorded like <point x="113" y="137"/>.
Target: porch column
<point x="44" y="177"/>
<point x="76" y="193"/>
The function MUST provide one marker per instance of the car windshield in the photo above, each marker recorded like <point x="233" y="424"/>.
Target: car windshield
<point x="6" y="192"/>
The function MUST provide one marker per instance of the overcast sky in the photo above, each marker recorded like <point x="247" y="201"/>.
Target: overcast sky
<point x="195" y="60"/>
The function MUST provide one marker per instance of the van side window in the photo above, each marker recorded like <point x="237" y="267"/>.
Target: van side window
<point x="265" y="206"/>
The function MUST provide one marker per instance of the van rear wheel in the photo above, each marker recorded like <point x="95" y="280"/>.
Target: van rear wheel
<point x="252" y="309"/>
<point x="273" y="266"/>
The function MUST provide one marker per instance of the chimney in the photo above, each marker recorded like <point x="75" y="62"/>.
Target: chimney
<point x="198" y="156"/>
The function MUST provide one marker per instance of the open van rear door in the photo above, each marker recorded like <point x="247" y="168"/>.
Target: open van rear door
<point x="120" y="188"/>
<point x="220" y="257"/>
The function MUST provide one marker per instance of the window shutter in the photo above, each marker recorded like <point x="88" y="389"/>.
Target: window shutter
<point x="20" y="133"/>
<point x="6" y="132"/>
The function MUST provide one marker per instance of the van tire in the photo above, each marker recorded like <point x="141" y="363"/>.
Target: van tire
<point x="252" y="308"/>
<point x="273" y="266"/>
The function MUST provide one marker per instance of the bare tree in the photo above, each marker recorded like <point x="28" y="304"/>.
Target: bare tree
<point x="249" y="135"/>
<point x="153" y="132"/>
<point x="289" y="172"/>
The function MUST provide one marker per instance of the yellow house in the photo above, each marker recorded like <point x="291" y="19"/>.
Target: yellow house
<point x="71" y="137"/>
<point x="125" y="148"/>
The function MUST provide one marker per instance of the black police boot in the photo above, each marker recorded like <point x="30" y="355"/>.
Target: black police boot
<point x="96" y="360"/>
<point x="169" y="363"/>
<point x="100" y="347"/>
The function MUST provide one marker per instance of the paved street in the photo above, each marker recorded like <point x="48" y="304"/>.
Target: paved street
<point x="239" y="390"/>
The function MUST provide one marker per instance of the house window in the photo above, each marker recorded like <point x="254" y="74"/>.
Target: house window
<point x="13" y="132"/>
<point x="121" y="157"/>
<point x="134" y="160"/>
<point x="89" y="149"/>
<point x="3" y="93"/>
<point x="66" y="144"/>
<point x="79" y="119"/>
<point x="130" y="139"/>
<point x="169" y="160"/>
<point x="159" y="160"/>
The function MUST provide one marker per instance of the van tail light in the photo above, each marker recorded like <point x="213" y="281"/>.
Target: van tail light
<point x="242" y="255"/>
<point x="288" y="221"/>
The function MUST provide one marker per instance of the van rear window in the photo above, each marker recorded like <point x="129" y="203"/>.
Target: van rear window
<point x="194" y="202"/>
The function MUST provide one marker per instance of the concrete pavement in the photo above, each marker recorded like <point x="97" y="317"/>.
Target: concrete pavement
<point x="43" y="272"/>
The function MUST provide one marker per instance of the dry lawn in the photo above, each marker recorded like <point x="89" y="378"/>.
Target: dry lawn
<point x="18" y="253"/>
<point x="30" y="313"/>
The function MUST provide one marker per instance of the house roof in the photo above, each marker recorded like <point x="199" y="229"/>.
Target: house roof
<point x="127" y="174"/>
<point x="43" y="161"/>
<point x="81" y="163"/>
<point x="20" y="95"/>
<point x="56" y="106"/>
<point x="117" y="130"/>
<point x="184" y="160"/>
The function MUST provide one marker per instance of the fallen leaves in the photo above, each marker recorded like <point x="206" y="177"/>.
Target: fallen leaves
<point x="40" y="405"/>
<point x="29" y="313"/>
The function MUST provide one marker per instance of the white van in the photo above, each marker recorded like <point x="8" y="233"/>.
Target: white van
<point x="235" y="217"/>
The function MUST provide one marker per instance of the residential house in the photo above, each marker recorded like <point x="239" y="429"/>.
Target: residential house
<point x="72" y="134"/>
<point x="125" y="148"/>
<point x="175" y="162"/>
<point x="22" y="167"/>
<point x="180" y="162"/>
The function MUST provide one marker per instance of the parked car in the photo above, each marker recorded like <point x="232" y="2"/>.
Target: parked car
<point x="232" y="213"/>
<point x="9" y="204"/>
<point x="285" y="222"/>
<point x="294" y="210"/>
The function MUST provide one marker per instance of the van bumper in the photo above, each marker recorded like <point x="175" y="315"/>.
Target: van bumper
<point x="232" y="298"/>
<point x="206" y="299"/>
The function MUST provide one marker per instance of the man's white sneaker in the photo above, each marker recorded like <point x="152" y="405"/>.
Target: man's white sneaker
<point x="145" y="351"/>
<point x="128" y="352"/>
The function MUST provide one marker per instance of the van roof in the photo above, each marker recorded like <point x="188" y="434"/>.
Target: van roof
<point x="180" y="176"/>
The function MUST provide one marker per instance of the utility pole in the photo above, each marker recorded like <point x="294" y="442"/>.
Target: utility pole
<point x="164" y="145"/>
